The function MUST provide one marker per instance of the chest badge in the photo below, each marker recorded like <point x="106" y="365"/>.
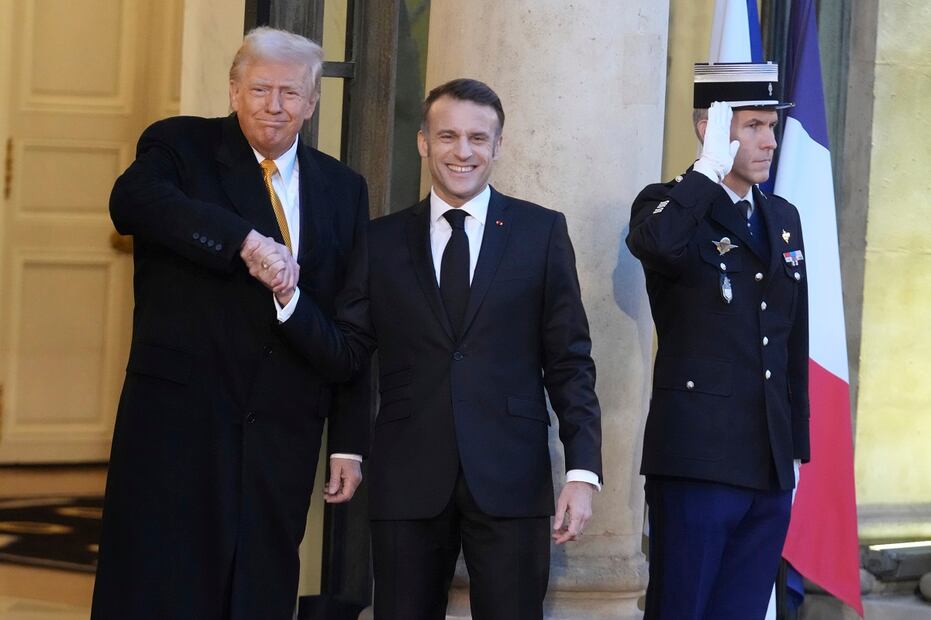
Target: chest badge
<point x="793" y="258"/>
<point x="785" y="236"/>
<point x="724" y="245"/>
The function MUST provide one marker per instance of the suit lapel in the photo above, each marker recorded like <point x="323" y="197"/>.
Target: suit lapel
<point x="241" y="179"/>
<point x="494" y="241"/>
<point x="418" y="243"/>
<point x="316" y="207"/>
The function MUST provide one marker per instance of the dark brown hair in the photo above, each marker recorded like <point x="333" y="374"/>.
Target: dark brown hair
<point x="464" y="89"/>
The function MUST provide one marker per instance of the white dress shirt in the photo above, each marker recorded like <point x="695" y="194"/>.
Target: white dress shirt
<point x="441" y="231"/>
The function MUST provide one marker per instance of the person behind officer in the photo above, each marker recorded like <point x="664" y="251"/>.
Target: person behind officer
<point x="725" y="274"/>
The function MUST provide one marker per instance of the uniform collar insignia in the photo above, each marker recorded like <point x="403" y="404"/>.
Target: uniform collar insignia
<point x="786" y="235"/>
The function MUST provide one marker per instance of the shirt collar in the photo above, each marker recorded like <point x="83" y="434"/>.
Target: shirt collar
<point x="477" y="207"/>
<point x="284" y="163"/>
<point x="735" y="198"/>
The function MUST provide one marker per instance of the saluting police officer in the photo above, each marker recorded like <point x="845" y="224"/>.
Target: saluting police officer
<point x="725" y="274"/>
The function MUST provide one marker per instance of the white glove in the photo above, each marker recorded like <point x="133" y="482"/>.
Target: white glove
<point x="718" y="150"/>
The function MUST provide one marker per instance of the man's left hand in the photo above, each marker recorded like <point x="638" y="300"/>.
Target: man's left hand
<point x="573" y="510"/>
<point x="345" y="477"/>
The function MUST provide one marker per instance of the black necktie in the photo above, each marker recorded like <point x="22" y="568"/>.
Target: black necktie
<point x="454" y="270"/>
<point x="744" y="207"/>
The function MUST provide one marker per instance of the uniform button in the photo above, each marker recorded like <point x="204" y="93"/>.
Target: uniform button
<point x="798" y="276"/>
<point x="758" y="277"/>
<point x="196" y="237"/>
<point x="689" y="385"/>
<point x="458" y="356"/>
<point x="723" y="267"/>
<point x="210" y="243"/>
<point x="203" y="239"/>
<point x="218" y="247"/>
<point x="250" y="419"/>
<point x="268" y="350"/>
<point x="679" y="179"/>
<point x="765" y="341"/>
<point x="763" y="305"/>
<point x="767" y="374"/>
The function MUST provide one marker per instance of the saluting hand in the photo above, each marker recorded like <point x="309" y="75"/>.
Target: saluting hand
<point x="718" y="150"/>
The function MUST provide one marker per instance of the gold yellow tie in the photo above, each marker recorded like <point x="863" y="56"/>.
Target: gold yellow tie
<point x="268" y="169"/>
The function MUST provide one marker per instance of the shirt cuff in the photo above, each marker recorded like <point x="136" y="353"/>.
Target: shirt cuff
<point x="284" y="313"/>
<point x="349" y="457"/>
<point x="583" y="475"/>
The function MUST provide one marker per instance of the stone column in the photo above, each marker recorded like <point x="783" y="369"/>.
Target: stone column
<point x="583" y="88"/>
<point x="212" y="34"/>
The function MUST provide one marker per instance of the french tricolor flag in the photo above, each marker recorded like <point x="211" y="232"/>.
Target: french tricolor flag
<point x="822" y="543"/>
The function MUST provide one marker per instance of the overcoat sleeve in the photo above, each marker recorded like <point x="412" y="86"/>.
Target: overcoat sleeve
<point x="148" y="202"/>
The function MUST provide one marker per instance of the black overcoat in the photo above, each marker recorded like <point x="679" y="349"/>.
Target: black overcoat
<point x="220" y="418"/>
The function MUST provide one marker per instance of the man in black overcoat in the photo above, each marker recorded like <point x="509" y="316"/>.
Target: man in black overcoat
<point x="236" y="223"/>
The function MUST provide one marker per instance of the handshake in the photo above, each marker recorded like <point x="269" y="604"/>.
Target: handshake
<point x="272" y="264"/>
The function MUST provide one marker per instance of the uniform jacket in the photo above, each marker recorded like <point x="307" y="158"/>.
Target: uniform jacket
<point x="730" y="381"/>
<point x="477" y="402"/>
<point x="220" y="417"/>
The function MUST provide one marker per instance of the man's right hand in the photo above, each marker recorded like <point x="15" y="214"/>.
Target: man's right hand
<point x="271" y="263"/>
<point x="718" y="150"/>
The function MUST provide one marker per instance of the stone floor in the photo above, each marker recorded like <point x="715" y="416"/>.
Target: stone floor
<point x="28" y="593"/>
<point x="875" y="607"/>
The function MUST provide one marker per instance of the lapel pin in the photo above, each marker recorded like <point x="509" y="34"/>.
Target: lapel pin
<point x="785" y="235"/>
<point x="724" y="245"/>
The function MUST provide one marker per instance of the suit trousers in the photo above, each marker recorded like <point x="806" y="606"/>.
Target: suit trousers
<point x="714" y="549"/>
<point x="507" y="559"/>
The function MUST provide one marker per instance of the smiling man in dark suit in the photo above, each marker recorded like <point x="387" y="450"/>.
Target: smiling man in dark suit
<point x="473" y="301"/>
<point x="220" y="420"/>
<point x="725" y="274"/>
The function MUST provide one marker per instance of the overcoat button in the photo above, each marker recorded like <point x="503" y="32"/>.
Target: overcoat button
<point x="767" y="374"/>
<point x="765" y="341"/>
<point x="763" y="306"/>
<point x="250" y="419"/>
<point x="758" y="277"/>
<point x="458" y="356"/>
<point x="798" y="276"/>
<point x="689" y="384"/>
<point x="723" y="267"/>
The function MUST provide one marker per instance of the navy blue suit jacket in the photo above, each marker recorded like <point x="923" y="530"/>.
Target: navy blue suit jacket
<point x="478" y="401"/>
